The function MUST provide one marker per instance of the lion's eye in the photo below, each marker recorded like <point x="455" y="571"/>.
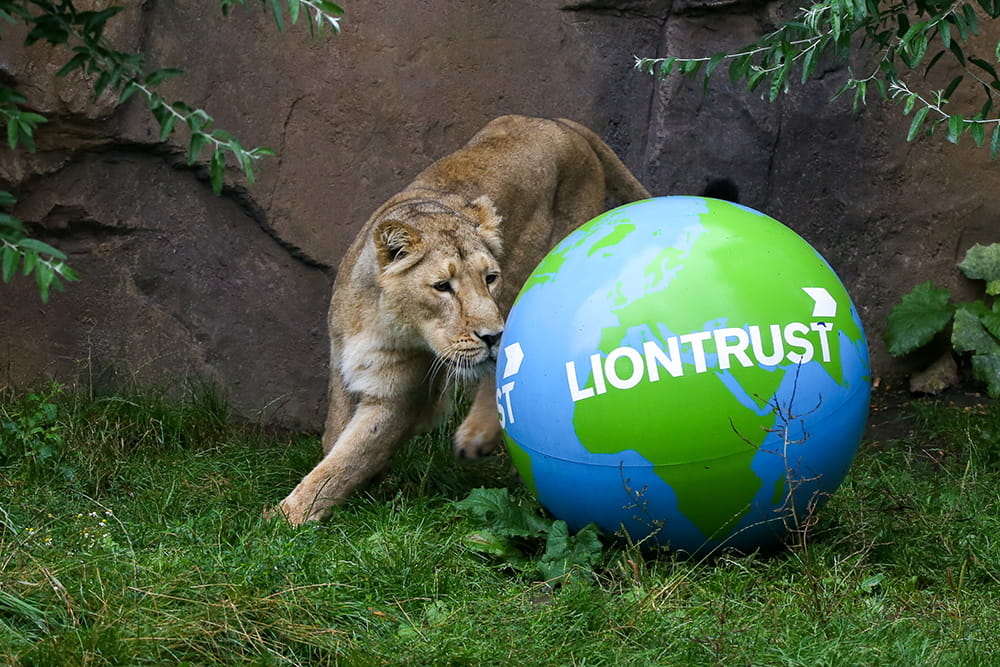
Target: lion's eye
<point x="491" y="278"/>
<point x="443" y="286"/>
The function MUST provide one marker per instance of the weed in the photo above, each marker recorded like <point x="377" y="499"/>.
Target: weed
<point x="31" y="435"/>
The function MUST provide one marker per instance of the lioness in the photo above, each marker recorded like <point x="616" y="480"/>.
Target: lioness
<point x="420" y="297"/>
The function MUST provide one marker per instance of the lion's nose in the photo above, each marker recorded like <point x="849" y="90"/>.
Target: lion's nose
<point x="490" y="339"/>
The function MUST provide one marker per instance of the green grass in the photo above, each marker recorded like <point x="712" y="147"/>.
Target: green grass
<point x="131" y="533"/>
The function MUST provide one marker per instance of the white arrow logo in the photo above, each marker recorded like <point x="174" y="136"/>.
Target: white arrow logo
<point x="825" y="305"/>
<point x="515" y="355"/>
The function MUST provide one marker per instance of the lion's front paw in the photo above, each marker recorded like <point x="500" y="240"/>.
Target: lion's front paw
<point x="296" y="512"/>
<point x="477" y="438"/>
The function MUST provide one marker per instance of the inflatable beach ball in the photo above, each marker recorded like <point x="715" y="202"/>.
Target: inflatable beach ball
<point x="687" y="371"/>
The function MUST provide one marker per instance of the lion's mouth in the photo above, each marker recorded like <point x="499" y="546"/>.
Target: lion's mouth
<point x="468" y="366"/>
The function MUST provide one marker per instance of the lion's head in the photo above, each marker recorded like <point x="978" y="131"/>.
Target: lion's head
<point x="440" y="279"/>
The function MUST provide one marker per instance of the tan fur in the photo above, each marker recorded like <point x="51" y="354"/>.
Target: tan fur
<point x="419" y="302"/>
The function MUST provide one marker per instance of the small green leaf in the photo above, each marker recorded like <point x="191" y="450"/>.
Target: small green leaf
<point x="198" y="140"/>
<point x="34" y="245"/>
<point x="128" y="91"/>
<point x="955" y="125"/>
<point x="43" y="276"/>
<point x="486" y="541"/>
<point x="916" y="123"/>
<point x="10" y="259"/>
<point x="978" y="133"/>
<point x="167" y="126"/>
<point x="713" y="63"/>
<point x="970" y="17"/>
<point x="995" y="142"/>
<point x="217" y="170"/>
<point x="917" y="318"/>
<point x="75" y="63"/>
<point x="808" y="65"/>
<point x="67" y="272"/>
<point x="13" y="132"/>
<point x="277" y="12"/>
<point x="12" y="225"/>
<point x="28" y="262"/>
<point x="983" y="65"/>
<point x="952" y="87"/>
<point x="161" y="75"/>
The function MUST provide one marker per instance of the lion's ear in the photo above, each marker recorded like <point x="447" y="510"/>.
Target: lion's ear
<point x="395" y="242"/>
<point x="488" y="223"/>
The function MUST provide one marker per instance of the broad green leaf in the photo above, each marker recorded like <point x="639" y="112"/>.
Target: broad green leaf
<point x="983" y="263"/>
<point x="968" y="333"/>
<point x="995" y="142"/>
<point x="917" y="318"/>
<point x="991" y="320"/>
<point x="986" y="369"/>
<point x="502" y="515"/>
<point x="564" y="552"/>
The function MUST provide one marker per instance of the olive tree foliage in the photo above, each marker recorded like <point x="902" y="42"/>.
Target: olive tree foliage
<point x="898" y="42"/>
<point x="82" y="34"/>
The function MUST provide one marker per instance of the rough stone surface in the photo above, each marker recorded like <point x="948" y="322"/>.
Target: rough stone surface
<point x="179" y="284"/>
<point x="940" y="375"/>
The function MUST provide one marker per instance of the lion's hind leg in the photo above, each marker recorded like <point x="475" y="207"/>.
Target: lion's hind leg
<point x="479" y="434"/>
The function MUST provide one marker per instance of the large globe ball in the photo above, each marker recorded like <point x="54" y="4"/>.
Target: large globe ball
<point x="687" y="371"/>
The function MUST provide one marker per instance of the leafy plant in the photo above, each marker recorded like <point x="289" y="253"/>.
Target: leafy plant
<point x="899" y="43"/>
<point x="81" y="32"/>
<point x="31" y="433"/>
<point x="975" y="327"/>
<point x="526" y="540"/>
<point x="19" y="251"/>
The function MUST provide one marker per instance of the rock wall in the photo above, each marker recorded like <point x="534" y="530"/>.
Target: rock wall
<point x="179" y="284"/>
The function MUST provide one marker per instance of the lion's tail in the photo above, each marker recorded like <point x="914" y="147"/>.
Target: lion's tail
<point x="618" y="180"/>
